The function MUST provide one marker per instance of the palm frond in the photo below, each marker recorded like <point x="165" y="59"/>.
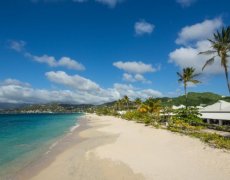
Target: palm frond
<point x="180" y="75"/>
<point x="195" y="75"/>
<point x="194" y="81"/>
<point x="209" y="62"/>
<point x="208" y="52"/>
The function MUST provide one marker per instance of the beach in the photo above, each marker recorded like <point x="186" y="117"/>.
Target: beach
<point x="105" y="147"/>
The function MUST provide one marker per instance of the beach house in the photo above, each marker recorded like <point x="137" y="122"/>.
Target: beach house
<point x="218" y="113"/>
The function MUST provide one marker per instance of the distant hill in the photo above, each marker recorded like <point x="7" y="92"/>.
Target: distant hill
<point x="4" y="106"/>
<point x="51" y="107"/>
<point x="194" y="99"/>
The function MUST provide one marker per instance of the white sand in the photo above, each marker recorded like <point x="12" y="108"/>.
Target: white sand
<point x="118" y="149"/>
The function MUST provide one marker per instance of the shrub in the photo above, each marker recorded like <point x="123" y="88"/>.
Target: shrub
<point x="181" y="126"/>
<point x="189" y="115"/>
<point x="138" y="116"/>
<point x="215" y="140"/>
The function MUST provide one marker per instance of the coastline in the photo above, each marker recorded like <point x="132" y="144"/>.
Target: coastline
<point x="52" y="152"/>
<point x="110" y="148"/>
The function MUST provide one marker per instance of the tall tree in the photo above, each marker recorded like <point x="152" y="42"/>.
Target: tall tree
<point x="138" y="102"/>
<point x="126" y="101"/>
<point x="220" y="47"/>
<point x="188" y="75"/>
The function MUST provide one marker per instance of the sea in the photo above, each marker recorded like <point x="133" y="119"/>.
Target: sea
<point x="25" y="137"/>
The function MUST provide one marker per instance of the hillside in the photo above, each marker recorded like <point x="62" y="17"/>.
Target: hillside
<point x="194" y="99"/>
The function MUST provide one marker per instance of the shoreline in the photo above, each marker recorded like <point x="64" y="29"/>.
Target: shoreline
<point x="52" y="152"/>
<point x="106" y="147"/>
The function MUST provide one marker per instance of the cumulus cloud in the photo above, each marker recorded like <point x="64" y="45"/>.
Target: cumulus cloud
<point x="76" y="89"/>
<point x="189" y="56"/>
<point x="67" y="62"/>
<point x="62" y="62"/>
<point x="194" y="40"/>
<point x="199" y="31"/>
<point x="135" y="78"/>
<point x="75" y="82"/>
<point x="185" y="3"/>
<point x="133" y="92"/>
<point x="15" y="82"/>
<point x="142" y="27"/>
<point x="134" y="67"/>
<point x="134" y="70"/>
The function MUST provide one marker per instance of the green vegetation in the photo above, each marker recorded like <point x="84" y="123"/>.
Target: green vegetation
<point x="188" y="115"/>
<point x="212" y="139"/>
<point x="151" y="112"/>
<point x="188" y="76"/>
<point x="194" y="99"/>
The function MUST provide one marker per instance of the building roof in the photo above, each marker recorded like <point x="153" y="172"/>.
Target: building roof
<point x="220" y="106"/>
<point x="178" y="107"/>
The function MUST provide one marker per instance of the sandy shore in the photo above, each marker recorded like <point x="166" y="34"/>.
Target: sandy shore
<point x="113" y="149"/>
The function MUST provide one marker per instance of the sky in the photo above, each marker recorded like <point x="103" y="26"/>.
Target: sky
<point x="96" y="51"/>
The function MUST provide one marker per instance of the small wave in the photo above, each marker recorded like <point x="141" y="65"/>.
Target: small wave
<point x="74" y="127"/>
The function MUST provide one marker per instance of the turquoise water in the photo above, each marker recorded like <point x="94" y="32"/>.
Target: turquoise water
<point x="24" y="137"/>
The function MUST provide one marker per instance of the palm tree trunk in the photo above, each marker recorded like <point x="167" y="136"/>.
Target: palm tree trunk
<point x="186" y="95"/>
<point x="226" y="75"/>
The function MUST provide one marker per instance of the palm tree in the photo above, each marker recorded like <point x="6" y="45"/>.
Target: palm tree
<point x="154" y="107"/>
<point x="220" y="47"/>
<point x="126" y="101"/>
<point x="187" y="76"/>
<point x="138" y="102"/>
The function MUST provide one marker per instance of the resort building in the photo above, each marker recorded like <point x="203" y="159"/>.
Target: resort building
<point x="218" y="113"/>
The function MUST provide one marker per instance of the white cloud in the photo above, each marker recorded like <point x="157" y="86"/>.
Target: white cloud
<point x="14" y="82"/>
<point x="17" y="46"/>
<point x="194" y="40"/>
<point x="110" y="3"/>
<point x="134" y="67"/>
<point x="77" y="90"/>
<point x="133" y="92"/>
<point x="75" y="82"/>
<point x="134" y="70"/>
<point x="140" y="77"/>
<point x="142" y="27"/>
<point x="70" y="63"/>
<point x="135" y="78"/>
<point x="67" y="62"/>
<point x="189" y="56"/>
<point x="185" y="3"/>
<point x="199" y="31"/>
<point x="80" y="1"/>
<point x="128" y="77"/>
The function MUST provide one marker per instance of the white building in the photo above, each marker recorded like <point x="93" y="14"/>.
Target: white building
<point x="217" y="113"/>
<point x="178" y="107"/>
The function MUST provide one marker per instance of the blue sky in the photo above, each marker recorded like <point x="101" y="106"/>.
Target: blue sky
<point x="95" y="51"/>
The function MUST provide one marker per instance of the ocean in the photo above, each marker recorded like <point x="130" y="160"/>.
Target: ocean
<point x="25" y="137"/>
